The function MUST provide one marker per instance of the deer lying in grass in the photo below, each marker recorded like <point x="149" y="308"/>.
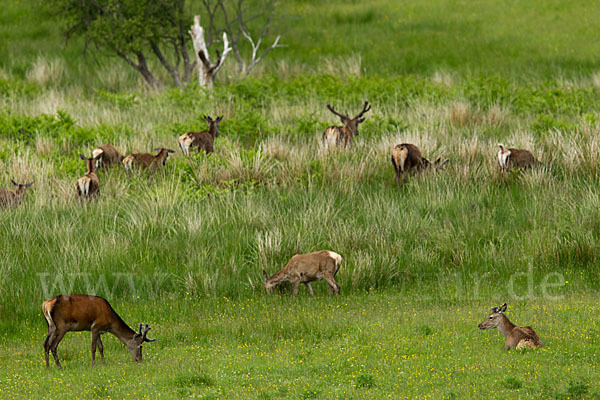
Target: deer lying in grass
<point x="306" y="268"/>
<point x="80" y="312"/>
<point x="88" y="185"/>
<point x="516" y="336"/>
<point x="201" y="140"/>
<point x="407" y="157"/>
<point x="13" y="197"/>
<point x="337" y="135"/>
<point x="147" y="160"/>
<point x="514" y="158"/>
<point x="106" y="156"/>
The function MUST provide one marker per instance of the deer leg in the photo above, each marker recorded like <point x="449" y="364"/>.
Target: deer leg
<point x="296" y="286"/>
<point x="48" y="343"/>
<point x="333" y="286"/>
<point x="57" y="338"/>
<point x="100" y="347"/>
<point x="310" y="291"/>
<point x="95" y="336"/>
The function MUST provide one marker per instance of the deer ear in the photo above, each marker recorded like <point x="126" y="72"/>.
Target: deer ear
<point x="265" y="275"/>
<point x="82" y="157"/>
<point x="28" y="185"/>
<point x="170" y="151"/>
<point x="361" y="120"/>
<point x="503" y="308"/>
<point x="220" y="118"/>
<point x="14" y="183"/>
<point x="207" y="118"/>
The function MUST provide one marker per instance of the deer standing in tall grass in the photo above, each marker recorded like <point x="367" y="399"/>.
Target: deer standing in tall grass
<point x="407" y="157"/>
<point x="516" y="336"/>
<point x="81" y="312"/>
<point x="13" y="197"/>
<point x="514" y="158"/>
<point x="337" y="135"/>
<point x="201" y="140"/>
<point x="106" y="156"/>
<point x="147" y="160"/>
<point x="88" y="185"/>
<point x="306" y="268"/>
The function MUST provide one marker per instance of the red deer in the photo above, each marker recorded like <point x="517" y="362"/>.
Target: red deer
<point x="306" y="268"/>
<point x="407" y="157"/>
<point x="81" y="312"/>
<point x="146" y="160"/>
<point x="201" y="140"/>
<point x="13" y="197"/>
<point x="106" y="156"/>
<point x="516" y="336"/>
<point x="88" y="185"/>
<point x="515" y="158"/>
<point x="337" y="135"/>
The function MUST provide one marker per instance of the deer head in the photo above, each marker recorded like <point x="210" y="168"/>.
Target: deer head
<point x="90" y="162"/>
<point x="135" y="344"/>
<point x="438" y="164"/>
<point x="351" y="123"/>
<point x="21" y="187"/>
<point x="495" y="319"/>
<point x="213" y="125"/>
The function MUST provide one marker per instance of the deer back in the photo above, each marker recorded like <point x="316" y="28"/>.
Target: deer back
<point x="521" y="158"/>
<point x="201" y="140"/>
<point x="109" y="155"/>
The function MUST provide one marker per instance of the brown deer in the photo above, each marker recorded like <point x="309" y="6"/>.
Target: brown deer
<point x="147" y="160"/>
<point x="201" y="140"/>
<point x="516" y="336"/>
<point x="337" y="135"/>
<point x="81" y="312"/>
<point x="88" y="185"/>
<point x="407" y="157"/>
<point x="306" y="268"/>
<point x="514" y="158"/>
<point x="13" y="197"/>
<point x="106" y="156"/>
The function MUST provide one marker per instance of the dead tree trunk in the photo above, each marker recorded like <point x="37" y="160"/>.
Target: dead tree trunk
<point x="206" y="70"/>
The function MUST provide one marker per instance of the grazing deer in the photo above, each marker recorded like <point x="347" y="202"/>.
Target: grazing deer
<point x="147" y="160"/>
<point x="201" y="140"/>
<point x="88" y="185"/>
<point x="13" y="197"/>
<point x="406" y="157"/>
<point x="106" y="155"/>
<point x="81" y="312"/>
<point x="306" y="268"/>
<point x="516" y="336"/>
<point x="515" y="158"/>
<point x="336" y="135"/>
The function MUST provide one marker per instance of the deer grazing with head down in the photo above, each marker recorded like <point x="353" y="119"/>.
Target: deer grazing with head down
<point x="147" y="160"/>
<point x="514" y="158"/>
<point x="13" y="197"/>
<point x="88" y="185"/>
<point x="337" y="135"/>
<point x="407" y="157"/>
<point x="106" y="156"/>
<point x="201" y="140"/>
<point x="516" y="336"/>
<point x="80" y="312"/>
<point x="306" y="268"/>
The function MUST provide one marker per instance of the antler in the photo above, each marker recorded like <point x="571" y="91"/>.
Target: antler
<point x="146" y="329"/>
<point x="140" y="330"/>
<point x="337" y="113"/>
<point x="366" y="108"/>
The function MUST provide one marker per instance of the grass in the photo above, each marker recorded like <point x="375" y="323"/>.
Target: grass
<point x="353" y="346"/>
<point x="422" y="264"/>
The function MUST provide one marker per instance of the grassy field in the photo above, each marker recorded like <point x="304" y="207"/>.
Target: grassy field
<point x="422" y="264"/>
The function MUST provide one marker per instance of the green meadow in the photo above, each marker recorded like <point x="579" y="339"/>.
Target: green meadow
<point x="423" y="264"/>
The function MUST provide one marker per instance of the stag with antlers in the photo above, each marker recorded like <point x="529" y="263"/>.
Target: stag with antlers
<point x="337" y="135"/>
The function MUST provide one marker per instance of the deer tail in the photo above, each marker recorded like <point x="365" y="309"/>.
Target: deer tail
<point x="47" y="308"/>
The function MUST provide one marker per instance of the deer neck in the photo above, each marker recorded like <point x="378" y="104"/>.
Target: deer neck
<point x="506" y="326"/>
<point x="213" y="130"/>
<point x="279" y="277"/>
<point x="122" y="331"/>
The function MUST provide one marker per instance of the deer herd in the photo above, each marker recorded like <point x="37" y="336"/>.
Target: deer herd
<point x="65" y="313"/>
